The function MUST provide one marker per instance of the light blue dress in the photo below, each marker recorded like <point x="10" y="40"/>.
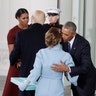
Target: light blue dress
<point x="50" y="82"/>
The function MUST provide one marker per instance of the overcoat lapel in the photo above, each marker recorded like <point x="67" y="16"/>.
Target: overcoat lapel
<point x="75" y="45"/>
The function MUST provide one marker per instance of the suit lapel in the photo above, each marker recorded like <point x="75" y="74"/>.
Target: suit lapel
<point x="75" y="44"/>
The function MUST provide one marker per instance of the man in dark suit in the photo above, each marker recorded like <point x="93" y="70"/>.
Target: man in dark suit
<point x="27" y="44"/>
<point x="80" y="52"/>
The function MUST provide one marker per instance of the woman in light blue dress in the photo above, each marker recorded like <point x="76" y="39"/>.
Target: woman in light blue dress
<point x="50" y="82"/>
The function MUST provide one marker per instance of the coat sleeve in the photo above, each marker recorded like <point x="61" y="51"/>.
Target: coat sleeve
<point x="69" y="62"/>
<point x="15" y="54"/>
<point x="36" y="71"/>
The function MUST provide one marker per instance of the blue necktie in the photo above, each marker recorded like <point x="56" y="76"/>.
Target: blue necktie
<point x="69" y="47"/>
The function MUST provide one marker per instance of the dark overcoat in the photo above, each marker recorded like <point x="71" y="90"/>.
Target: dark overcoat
<point x="81" y="55"/>
<point x="27" y="44"/>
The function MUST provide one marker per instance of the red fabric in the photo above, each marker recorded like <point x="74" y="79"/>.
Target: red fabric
<point x="12" y="34"/>
<point x="9" y="88"/>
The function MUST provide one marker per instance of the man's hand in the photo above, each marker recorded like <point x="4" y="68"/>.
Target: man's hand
<point x="60" y="67"/>
<point x="18" y="64"/>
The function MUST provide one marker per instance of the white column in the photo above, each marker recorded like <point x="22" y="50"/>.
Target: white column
<point x="75" y="12"/>
<point x="66" y="11"/>
<point x="90" y="27"/>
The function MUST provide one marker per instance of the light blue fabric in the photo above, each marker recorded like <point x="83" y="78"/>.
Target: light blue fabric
<point x="50" y="82"/>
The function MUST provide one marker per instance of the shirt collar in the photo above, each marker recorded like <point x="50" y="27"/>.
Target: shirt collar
<point x="71" y="41"/>
<point x="56" y="47"/>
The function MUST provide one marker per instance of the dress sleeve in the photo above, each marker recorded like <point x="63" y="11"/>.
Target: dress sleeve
<point x="10" y="37"/>
<point x="69" y="61"/>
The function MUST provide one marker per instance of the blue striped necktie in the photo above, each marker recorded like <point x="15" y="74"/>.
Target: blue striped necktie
<point x="69" y="47"/>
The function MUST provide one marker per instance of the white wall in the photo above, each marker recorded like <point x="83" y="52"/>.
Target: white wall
<point x="4" y="26"/>
<point x="4" y="19"/>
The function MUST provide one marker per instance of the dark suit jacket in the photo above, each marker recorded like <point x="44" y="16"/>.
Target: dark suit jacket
<point x="57" y="25"/>
<point x="27" y="44"/>
<point x="81" y="55"/>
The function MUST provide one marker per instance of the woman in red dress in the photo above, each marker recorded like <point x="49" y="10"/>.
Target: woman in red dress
<point x="22" y="16"/>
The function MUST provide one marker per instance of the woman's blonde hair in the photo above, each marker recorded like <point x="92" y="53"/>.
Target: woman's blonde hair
<point x="52" y="37"/>
<point x="38" y="17"/>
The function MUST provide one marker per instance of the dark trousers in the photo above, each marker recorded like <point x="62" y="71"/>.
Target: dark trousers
<point x="74" y="90"/>
<point x="27" y="93"/>
<point x="77" y="91"/>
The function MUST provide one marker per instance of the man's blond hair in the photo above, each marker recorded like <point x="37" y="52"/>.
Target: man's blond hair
<point x="38" y="17"/>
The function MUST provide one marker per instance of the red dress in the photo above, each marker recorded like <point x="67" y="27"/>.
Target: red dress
<point x="9" y="88"/>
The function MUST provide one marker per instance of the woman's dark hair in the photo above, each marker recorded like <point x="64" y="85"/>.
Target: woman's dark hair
<point x="20" y="12"/>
